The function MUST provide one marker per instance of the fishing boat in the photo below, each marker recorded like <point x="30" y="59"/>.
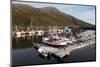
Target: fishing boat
<point x="56" y="41"/>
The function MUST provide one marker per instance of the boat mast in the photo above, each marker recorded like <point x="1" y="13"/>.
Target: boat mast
<point x="49" y="30"/>
<point x="31" y="26"/>
<point x="31" y="23"/>
<point x="16" y="28"/>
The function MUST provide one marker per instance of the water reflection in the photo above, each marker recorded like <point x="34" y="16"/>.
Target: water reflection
<point x="27" y="55"/>
<point x="25" y="42"/>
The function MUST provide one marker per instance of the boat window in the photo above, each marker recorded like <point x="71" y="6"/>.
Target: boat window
<point x="36" y="32"/>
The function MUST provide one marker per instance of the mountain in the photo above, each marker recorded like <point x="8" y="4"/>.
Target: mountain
<point x="23" y="15"/>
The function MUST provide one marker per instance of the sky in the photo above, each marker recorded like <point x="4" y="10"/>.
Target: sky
<point x="85" y="13"/>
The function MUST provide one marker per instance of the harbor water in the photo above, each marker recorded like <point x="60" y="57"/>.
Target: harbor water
<point x="23" y="53"/>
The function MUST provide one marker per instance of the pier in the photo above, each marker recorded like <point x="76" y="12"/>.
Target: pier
<point x="85" y="39"/>
<point x="61" y="52"/>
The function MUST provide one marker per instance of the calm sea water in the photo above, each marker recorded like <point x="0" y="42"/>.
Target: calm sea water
<point x="30" y="56"/>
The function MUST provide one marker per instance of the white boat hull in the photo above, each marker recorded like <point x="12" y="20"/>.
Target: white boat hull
<point x="54" y="43"/>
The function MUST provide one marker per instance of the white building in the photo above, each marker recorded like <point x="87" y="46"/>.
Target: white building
<point x="89" y="34"/>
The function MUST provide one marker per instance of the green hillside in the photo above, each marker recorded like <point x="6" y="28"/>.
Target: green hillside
<point x="22" y="15"/>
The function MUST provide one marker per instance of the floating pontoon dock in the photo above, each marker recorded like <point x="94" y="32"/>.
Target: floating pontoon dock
<point x="61" y="52"/>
